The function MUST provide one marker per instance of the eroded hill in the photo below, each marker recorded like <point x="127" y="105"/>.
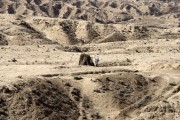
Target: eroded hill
<point x="16" y="30"/>
<point x="101" y="11"/>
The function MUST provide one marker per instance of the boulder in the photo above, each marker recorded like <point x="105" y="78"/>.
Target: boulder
<point x="86" y="59"/>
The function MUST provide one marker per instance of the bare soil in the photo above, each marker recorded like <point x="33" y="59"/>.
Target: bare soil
<point x="137" y="78"/>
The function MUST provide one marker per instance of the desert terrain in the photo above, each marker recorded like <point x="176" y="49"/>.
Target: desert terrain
<point x="138" y="76"/>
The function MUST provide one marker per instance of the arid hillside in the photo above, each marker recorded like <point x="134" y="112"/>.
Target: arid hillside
<point x="91" y="21"/>
<point x="16" y="30"/>
<point x="101" y="11"/>
<point x="46" y="47"/>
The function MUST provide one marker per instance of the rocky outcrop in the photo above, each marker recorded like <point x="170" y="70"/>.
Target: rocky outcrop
<point x="85" y="59"/>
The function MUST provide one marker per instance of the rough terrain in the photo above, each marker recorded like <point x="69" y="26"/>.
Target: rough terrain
<point x="137" y="77"/>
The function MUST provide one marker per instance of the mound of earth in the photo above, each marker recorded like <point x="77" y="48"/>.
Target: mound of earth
<point x="114" y="37"/>
<point x="126" y="89"/>
<point x="136" y="97"/>
<point x="36" y="99"/>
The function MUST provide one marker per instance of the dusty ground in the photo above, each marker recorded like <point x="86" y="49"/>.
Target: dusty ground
<point x="138" y="75"/>
<point x="141" y="82"/>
